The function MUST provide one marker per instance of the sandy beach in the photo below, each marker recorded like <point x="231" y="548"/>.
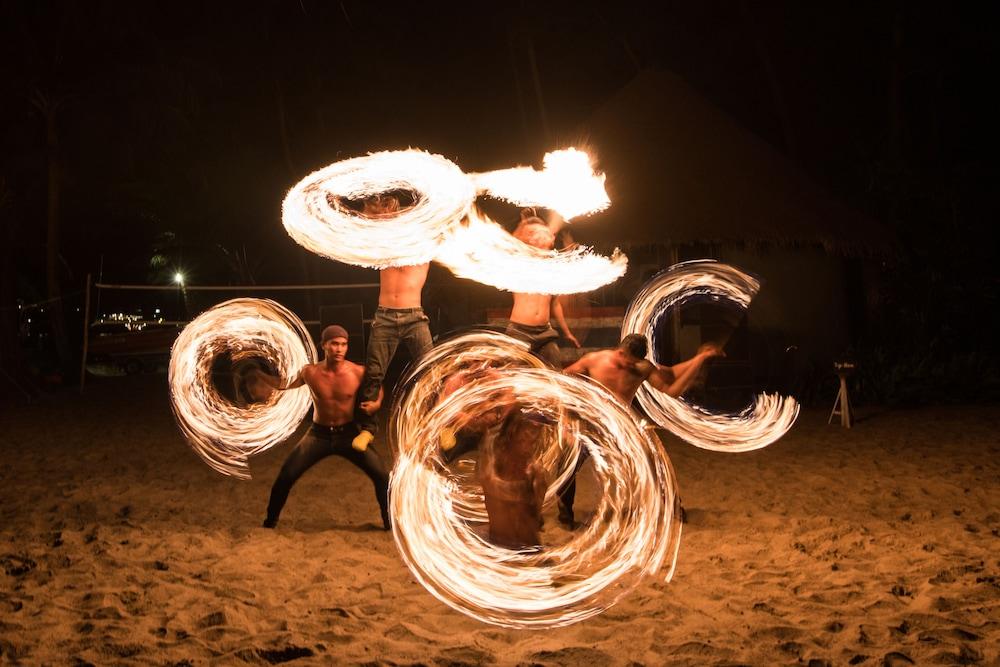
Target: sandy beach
<point x="878" y="545"/>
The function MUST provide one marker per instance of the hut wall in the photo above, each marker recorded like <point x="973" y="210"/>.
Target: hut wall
<point x="802" y="305"/>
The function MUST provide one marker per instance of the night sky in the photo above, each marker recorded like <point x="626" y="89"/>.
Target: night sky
<point x="177" y="128"/>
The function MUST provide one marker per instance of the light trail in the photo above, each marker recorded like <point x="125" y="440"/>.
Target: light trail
<point x="635" y="533"/>
<point x="757" y="426"/>
<point x="221" y="432"/>
<point x="468" y="359"/>
<point x="444" y="224"/>
<point x="567" y="184"/>
<point x="483" y="251"/>
<point x="316" y="216"/>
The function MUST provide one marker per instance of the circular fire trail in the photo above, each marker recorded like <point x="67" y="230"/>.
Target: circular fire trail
<point x="443" y="223"/>
<point x="221" y="432"/>
<point x="757" y="426"/>
<point x="454" y="364"/>
<point x="439" y="530"/>
<point x="315" y="215"/>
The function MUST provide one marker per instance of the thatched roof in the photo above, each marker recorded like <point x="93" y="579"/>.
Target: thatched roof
<point x="682" y="171"/>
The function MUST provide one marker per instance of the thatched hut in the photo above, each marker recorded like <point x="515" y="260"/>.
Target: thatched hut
<point x="687" y="181"/>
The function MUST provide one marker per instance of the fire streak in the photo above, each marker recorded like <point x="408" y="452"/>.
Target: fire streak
<point x="443" y="223"/>
<point x="224" y="434"/>
<point x="567" y="184"/>
<point x="636" y="530"/>
<point x="421" y="391"/>
<point x="758" y="425"/>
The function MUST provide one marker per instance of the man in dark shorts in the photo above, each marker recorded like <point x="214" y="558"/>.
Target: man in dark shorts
<point x="530" y="317"/>
<point x="334" y="384"/>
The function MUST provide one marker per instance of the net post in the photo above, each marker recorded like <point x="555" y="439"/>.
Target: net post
<point x="86" y="334"/>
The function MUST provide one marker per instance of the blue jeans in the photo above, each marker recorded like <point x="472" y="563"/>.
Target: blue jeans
<point x="390" y="327"/>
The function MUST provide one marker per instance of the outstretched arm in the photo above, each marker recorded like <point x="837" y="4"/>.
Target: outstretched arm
<point x="675" y="380"/>
<point x="581" y="366"/>
<point x="275" y="382"/>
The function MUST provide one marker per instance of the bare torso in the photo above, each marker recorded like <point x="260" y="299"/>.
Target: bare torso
<point x="622" y="378"/>
<point x="400" y="286"/>
<point x="514" y="487"/>
<point x="531" y="309"/>
<point x="333" y="391"/>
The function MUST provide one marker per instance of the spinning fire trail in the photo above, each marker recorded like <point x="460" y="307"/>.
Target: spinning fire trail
<point x="443" y="223"/>
<point x="760" y="424"/>
<point x="439" y="515"/>
<point x="434" y="518"/>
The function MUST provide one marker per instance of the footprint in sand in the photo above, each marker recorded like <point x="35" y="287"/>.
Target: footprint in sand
<point x="573" y="655"/>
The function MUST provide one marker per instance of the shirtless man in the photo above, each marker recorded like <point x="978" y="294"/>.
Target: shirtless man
<point x="399" y="317"/>
<point x="513" y="481"/>
<point x="334" y="384"/>
<point x="531" y="315"/>
<point x="622" y="370"/>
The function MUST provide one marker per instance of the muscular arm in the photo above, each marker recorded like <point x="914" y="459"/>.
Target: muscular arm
<point x="674" y="383"/>
<point x="557" y="312"/>
<point x="275" y="383"/>
<point x="580" y="367"/>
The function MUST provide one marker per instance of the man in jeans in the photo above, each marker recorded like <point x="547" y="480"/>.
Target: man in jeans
<point x="333" y="383"/>
<point x="399" y="317"/>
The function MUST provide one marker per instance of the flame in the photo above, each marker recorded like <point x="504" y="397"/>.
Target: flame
<point x="315" y="215"/>
<point x="443" y="223"/>
<point x="435" y="520"/>
<point x="483" y="251"/>
<point x="567" y="184"/>
<point x="758" y="425"/>
<point x="222" y="433"/>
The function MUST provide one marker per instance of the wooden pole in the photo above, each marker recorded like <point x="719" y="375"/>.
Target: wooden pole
<point x="86" y="334"/>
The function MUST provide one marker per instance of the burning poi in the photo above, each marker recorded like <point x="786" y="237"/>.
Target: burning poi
<point x="443" y="223"/>
<point x="759" y="425"/>
<point x="435" y="514"/>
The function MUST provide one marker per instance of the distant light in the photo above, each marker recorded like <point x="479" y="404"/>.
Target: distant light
<point x="179" y="278"/>
<point x="156" y="311"/>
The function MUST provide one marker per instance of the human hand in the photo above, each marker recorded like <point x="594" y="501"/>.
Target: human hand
<point x="369" y="407"/>
<point x="711" y="350"/>
<point x="571" y="338"/>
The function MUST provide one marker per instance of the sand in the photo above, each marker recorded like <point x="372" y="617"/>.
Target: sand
<point x="876" y="545"/>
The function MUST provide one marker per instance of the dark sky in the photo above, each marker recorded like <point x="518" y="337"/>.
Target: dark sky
<point x="192" y="119"/>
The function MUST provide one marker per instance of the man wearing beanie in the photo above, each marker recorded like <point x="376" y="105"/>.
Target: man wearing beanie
<point x="399" y="317"/>
<point x="334" y="384"/>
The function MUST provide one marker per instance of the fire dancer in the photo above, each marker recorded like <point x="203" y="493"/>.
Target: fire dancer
<point x="334" y="384"/>
<point x="622" y="370"/>
<point x="514" y="482"/>
<point x="530" y="318"/>
<point x="399" y="317"/>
